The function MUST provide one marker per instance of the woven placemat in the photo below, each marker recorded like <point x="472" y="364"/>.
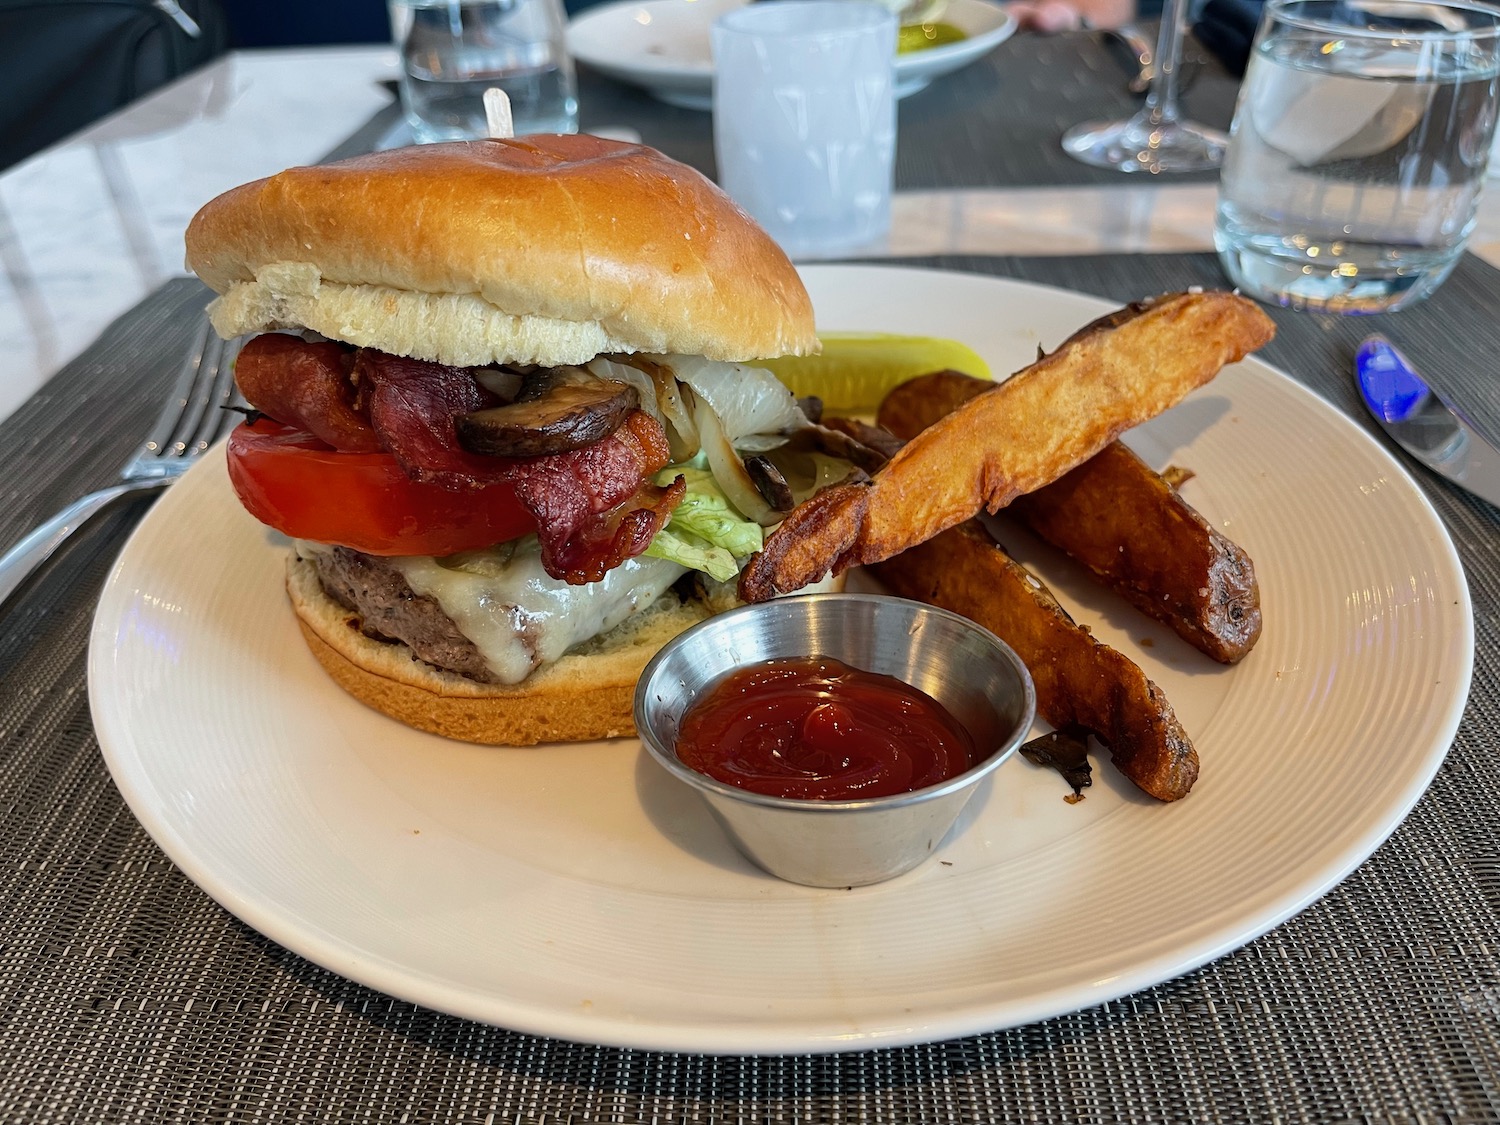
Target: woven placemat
<point x="997" y="123"/>
<point x="127" y="995"/>
<point x="1000" y="122"/>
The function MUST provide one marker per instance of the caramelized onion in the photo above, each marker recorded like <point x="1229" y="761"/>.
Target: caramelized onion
<point x="729" y="470"/>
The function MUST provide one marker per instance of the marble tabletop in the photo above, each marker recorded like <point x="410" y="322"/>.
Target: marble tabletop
<point x="91" y="226"/>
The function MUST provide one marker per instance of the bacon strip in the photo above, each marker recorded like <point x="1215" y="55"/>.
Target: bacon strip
<point x="594" y="507"/>
<point x="414" y="406"/>
<point x="306" y="386"/>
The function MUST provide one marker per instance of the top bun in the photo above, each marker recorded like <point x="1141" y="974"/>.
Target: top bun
<point x="541" y="249"/>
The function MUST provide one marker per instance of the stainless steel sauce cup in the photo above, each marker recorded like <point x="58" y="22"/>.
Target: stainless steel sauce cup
<point x="963" y="666"/>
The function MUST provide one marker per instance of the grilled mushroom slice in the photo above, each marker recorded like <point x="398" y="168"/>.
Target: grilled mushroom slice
<point x="552" y="415"/>
<point x="853" y="441"/>
<point x="771" y="485"/>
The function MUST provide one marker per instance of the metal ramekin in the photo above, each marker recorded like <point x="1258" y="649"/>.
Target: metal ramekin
<point x="963" y="666"/>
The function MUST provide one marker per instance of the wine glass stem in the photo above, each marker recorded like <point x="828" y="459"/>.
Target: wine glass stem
<point x="1161" y="96"/>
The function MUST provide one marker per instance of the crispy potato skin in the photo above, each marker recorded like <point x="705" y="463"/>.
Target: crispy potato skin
<point x="1126" y="523"/>
<point x="1079" y="680"/>
<point x="1029" y="431"/>
<point x="1141" y="539"/>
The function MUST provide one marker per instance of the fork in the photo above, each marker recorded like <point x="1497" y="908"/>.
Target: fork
<point x="191" y="421"/>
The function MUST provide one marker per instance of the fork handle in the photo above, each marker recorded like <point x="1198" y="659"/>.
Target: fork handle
<point x="22" y="560"/>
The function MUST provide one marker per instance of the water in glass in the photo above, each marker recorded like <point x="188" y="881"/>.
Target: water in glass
<point x="1355" y="167"/>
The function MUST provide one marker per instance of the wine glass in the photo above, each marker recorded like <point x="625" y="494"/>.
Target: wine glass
<point x="1157" y="139"/>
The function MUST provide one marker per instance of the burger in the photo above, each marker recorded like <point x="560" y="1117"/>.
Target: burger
<point x="506" y="410"/>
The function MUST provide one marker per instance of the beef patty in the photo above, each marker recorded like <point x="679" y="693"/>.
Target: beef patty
<point x="390" y="610"/>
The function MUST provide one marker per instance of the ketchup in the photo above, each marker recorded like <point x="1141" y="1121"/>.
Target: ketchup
<point x="815" y="728"/>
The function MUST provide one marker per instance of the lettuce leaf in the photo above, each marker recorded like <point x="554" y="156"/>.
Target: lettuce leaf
<point x="689" y="550"/>
<point x="705" y="532"/>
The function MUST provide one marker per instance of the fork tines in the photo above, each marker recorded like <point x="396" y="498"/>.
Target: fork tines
<point x="194" y="417"/>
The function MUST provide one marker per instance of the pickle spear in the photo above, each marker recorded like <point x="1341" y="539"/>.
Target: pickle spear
<point x="855" y="370"/>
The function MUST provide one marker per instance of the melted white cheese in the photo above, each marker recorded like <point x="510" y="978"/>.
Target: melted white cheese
<point x="518" y="616"/>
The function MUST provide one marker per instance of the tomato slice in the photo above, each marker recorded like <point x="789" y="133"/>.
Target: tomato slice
<point x="290" y="480"/>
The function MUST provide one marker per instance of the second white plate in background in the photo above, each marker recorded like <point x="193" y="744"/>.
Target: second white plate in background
<point x="663" y="45"/>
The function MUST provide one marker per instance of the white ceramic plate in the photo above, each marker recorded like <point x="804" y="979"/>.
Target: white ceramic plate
<point x="663" y="45"/>
<point x="578" y="891"/>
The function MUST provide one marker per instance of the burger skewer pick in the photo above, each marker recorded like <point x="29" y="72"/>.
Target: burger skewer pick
<point x="497" y="117"/>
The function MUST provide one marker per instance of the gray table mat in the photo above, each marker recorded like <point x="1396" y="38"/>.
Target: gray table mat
<point x="127" y="995"/>
<point x="997" y="123"/>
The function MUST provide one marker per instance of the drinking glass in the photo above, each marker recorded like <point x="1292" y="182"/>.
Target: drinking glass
<point x="805" y="120"/>
<point x="1157" y="139"/>
<point x="452" y="51"/>
<point x="1359" y="150"/>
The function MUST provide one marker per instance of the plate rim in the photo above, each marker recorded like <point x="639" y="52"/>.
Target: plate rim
<point x="793" y="1035"/>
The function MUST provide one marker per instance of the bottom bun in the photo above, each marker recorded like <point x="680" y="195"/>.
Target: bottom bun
<point x="586" y="695"/>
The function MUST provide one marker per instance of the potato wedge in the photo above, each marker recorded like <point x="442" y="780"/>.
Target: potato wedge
<point x="1126" y="523"/>
<point x="1032" y="429"/>
<point x="1079" y="680"/>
